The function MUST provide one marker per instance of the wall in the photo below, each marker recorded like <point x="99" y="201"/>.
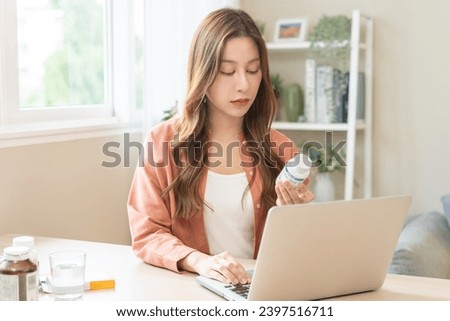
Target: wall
<point x="62" y="190"/>
<point x="411" y="88"/>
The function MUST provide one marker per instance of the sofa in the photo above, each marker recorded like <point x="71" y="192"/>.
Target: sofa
<point x="423" y="248"/>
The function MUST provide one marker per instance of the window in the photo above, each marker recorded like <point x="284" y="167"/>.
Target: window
<point x="67" y="61"/>
<point x="61" y="63"/>
<point x="67" y="66"/>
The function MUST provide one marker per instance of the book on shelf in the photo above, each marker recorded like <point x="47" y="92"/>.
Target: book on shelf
<point x="327" y="94"/>
<point x="323" y="86"/>
<point x="310" y="91"/>
<point x="360" y="98"/>
<point x="361" y="101"/>
<point x="340" y="88"/>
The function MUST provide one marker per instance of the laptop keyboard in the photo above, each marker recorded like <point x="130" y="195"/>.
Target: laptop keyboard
<point x="241" y="289"/>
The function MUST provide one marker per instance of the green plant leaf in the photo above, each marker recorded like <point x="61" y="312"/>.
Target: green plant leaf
<point x="330" y="42"/>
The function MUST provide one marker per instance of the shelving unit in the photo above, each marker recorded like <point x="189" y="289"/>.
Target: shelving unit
<point x="360" y="23"/>
<point x="360" y="125"/>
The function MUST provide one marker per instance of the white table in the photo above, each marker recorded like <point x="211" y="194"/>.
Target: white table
<point x="138" y="281"/>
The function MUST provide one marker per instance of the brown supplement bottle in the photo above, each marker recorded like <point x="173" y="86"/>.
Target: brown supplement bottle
<point x="18" y="275"/>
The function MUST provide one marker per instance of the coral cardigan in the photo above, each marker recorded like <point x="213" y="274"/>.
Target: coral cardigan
<point x="158" y="237"/>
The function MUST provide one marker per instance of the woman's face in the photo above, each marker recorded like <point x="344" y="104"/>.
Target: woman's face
<point x="235" y="87"/>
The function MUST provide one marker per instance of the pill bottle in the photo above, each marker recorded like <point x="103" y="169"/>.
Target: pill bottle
<point x="27" y="241"/>
<point x="18" y="275"/>
<point x="296" y="170"/>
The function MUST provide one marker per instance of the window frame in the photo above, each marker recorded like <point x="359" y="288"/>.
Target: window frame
<point x="22" y="126"/>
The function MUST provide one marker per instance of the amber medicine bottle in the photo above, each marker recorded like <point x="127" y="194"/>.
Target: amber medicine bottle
<point x="18" y="275"/>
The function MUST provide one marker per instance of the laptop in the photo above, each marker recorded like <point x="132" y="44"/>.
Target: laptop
<point x="322" y="250"/>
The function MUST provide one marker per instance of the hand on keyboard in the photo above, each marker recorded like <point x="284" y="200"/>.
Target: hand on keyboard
<point x="223" y="267"/>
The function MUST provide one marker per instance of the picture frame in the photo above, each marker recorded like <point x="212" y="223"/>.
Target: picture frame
<point x="294" y="29"/>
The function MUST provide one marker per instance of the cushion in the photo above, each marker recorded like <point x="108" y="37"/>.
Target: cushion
<point x="446" y="205"/>
<point x="423" y="248"/>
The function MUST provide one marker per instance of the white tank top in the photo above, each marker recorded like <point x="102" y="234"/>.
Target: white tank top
<point x="230" y="224"/>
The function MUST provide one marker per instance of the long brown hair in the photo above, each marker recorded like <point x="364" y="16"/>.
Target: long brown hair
<point x="203" y="65"/>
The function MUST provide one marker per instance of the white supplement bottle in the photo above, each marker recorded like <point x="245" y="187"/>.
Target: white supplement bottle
<point x="296" y="170"/>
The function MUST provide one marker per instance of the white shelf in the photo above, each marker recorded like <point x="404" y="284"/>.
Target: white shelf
<point x="360" y="58"/>
<point x="360" y="125"/>
<point x="287" y="45"/>
<point x="301" y="45"/>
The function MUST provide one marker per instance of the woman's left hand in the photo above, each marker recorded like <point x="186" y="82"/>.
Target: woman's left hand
<point x="286" y="194"/>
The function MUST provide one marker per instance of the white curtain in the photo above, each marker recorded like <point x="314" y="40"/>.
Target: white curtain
<point x="169" y="26"/>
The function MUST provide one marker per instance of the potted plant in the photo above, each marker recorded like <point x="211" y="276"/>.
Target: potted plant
<point x="323" y="158"/>
<point x="277" y="85"/>
<point x="324" y="162"/>
<point x="330" y="42"/>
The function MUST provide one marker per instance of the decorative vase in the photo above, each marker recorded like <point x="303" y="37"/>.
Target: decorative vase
<point x="324" y="190"/>
<point x="293" y="102"/>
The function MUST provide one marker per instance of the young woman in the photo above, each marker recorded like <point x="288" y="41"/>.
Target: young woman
<point x="201" y="198"/>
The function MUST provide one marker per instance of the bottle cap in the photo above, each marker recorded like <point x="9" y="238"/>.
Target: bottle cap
<point x="27" y="241"/>
<point x="16" y="253"/>
<point x="300" y="165"/>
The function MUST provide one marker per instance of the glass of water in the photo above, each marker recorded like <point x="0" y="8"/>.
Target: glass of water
<point x="67" y="274"/>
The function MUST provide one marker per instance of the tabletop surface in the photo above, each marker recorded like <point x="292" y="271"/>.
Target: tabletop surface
<point x="138" y="281"/>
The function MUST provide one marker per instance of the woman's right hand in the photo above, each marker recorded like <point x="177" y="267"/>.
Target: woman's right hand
<point x="223" y="267"/>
